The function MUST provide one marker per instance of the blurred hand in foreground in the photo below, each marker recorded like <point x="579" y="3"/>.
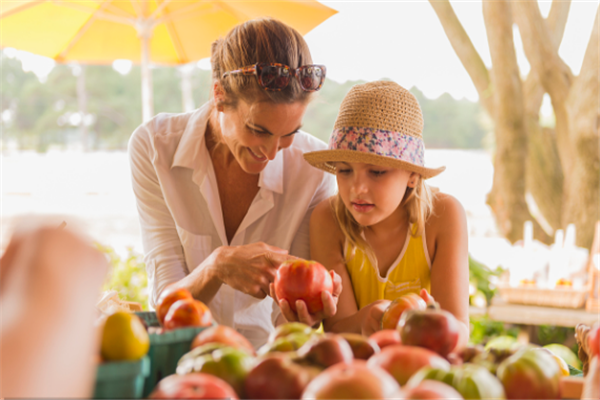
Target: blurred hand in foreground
<point x="591" y="384"/>
<point x="49" y="283"/>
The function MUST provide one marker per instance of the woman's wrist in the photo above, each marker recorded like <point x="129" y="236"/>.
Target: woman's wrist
<point x="206" y="279"/>
<point x="216" y="262"/>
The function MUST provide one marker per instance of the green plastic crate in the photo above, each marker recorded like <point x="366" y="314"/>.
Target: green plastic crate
<point x="149" y="318"/>
<point x="121" y="379"/>
<point x="165" y="350"/>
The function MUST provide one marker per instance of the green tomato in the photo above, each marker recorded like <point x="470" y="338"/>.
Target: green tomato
<point x="530" y="374"/>
<point x="470" y="380"/>
<point x="565" y="353"/>
<point x="228" y="363"/>
<point x="502" y="343"/>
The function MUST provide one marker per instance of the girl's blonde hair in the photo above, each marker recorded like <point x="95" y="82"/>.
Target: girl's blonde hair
<point x="417" y="201"/>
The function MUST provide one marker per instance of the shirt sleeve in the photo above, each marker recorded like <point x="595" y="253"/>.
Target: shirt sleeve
<point x="164" y="258"/>
<point x="300" y="246"/>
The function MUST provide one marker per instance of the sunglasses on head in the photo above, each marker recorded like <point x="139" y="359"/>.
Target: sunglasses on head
<point x="276" y="77"/>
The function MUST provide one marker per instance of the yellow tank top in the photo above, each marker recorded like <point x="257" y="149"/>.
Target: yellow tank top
<point x="410" y="273"/>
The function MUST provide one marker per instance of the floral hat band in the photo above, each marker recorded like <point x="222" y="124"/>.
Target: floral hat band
<point x="379" y="141"/>
<point x="379" y="123"/>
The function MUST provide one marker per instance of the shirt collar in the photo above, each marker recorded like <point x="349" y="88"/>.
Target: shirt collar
<point x="271" y="177"/>
<point x="189" y="153"/>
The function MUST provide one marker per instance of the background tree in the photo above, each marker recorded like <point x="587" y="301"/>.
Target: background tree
<point x="45" y="113"/>
<point x="549" y="175"/>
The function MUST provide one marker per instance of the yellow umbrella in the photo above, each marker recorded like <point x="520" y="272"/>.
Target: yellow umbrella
<point x="168" y="32"/>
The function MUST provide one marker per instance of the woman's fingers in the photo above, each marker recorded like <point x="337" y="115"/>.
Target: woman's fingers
<point x="276" y="259"/>
<point x="272" y="292"/>
<point x="265" y="284"/>
<point x="273" y="249"/>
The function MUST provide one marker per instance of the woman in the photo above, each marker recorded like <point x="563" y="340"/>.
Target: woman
<point x="223" y="193"/>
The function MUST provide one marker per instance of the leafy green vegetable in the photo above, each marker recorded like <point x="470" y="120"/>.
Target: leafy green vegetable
<point x="126" y="275"/>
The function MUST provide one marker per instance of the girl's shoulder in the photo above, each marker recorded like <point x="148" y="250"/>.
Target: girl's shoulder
<point x="448" y="213"/>
<point x="324" y="214"/>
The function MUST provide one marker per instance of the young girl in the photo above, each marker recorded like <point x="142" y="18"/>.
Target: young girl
<point x="386" y="233"/>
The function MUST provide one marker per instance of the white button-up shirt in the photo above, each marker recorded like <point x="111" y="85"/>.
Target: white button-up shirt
<point x="182" y="221"/>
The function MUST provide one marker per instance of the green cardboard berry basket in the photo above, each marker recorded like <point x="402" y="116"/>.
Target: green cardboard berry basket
<point x="121" y="379"/>
<point x="165" y="350"/>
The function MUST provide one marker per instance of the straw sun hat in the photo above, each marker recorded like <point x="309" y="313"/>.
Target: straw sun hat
<point x="379" y="123"/>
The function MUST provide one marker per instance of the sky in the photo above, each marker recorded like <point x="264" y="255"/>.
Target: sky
<point x="404" y="41"/>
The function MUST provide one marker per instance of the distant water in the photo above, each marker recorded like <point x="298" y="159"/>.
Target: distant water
<point x="96" y="188"/>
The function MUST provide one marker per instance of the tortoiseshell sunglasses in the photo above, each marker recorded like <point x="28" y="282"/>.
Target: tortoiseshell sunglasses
<point x="276" y="77"/>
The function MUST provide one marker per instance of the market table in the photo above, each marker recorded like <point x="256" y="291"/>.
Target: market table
<point x="502" y="311"/>
<point x="533" y="316"/>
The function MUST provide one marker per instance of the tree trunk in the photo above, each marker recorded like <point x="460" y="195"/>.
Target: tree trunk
<point x="575" y="108"/>
<point x="462" y="45"/>
<point x="507" y="197"/>
<point x="582" y="181"/>
<point x="544" y="176"/>
<point x="558" y="168"/>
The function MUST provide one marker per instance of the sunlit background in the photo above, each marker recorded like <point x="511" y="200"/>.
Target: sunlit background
<point x="58" y="160"/>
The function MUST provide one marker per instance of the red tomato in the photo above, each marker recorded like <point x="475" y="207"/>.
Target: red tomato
<point x="186" y="313"/>
<point x="392" y="314"/>
<point x="169" y="296"/>
<point x="193" y="386"/>
<point x="594" y="340"/>
<point x="303" y="280"/>
<point x="433" y="390"/>
<point x="386" y="337"/>
<point x="353" y="381"/>
<point x="402" y="362"/>
<point x="434" y="329"/>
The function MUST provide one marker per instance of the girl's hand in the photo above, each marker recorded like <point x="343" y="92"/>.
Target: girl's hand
<point x="250" y="268"/>
<point x="372" y="320"/>
<point x="330" y="301"/>
<point x="427" y="297"/>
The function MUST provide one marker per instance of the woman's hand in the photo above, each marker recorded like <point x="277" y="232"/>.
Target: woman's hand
<point x="250" y="268"/>
<point x="330" y="301"/>
<point x="372" y="316"/>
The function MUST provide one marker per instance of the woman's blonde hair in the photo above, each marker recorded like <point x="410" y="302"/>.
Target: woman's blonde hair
<point x="260" y="40"/>
<point x="417" y="201"/>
